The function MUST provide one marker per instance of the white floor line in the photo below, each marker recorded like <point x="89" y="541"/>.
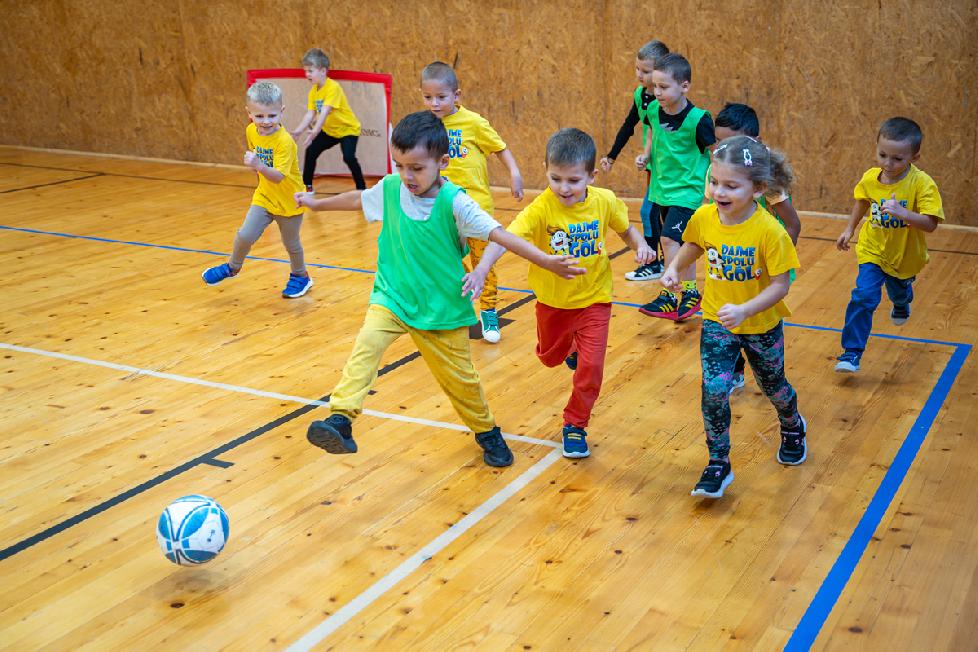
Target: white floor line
<point x="408" y="566"/>
<point x="256" y="392"/>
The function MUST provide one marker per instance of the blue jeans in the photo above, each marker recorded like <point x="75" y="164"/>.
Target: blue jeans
<point x="866" y="297"/>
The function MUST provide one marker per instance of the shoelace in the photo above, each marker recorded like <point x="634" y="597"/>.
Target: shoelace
<point x="491" y="320"/>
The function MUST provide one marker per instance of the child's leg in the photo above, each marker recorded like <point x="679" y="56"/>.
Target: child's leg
<point x="555" y="334"/>
<point x="765" y="352"/>
<point x="866" y="297"/>
<point x="718" y="355"/>
<point x="348" y="144"/>
<point x="255" y="222"/>
<point x="591" y="342"/>
<point x="289" y="228"/>
<point x="380" y="328"/>
<point x="319" y="144"/>
<point x="900" y="290"/>
<point x="673" y="226"/>
<point x="447" y="354"/>
<point x="489" y="291"/>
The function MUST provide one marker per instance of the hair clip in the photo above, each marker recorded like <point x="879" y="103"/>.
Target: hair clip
<point x="747" y="159"/>
<point x="721" y="148"/>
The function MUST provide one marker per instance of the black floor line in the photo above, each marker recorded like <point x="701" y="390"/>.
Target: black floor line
<point x="51" y="183"/>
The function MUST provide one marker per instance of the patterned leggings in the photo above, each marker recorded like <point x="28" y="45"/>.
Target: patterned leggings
<point x="765" y="353"/>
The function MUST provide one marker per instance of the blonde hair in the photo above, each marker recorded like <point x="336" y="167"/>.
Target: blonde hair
<point x="265" y="92"/>
<point x="765" y="167"/>
<point x="315" y="58"/>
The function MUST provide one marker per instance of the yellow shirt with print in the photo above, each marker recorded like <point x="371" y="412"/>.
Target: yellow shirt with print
<point x="579" y="231"/>
<point x="740" y="261"/>
<point x="899" y="249"/>
<point x="341" y="121"/>
<point x="277" y="151"/>
<point x="470" y="139"/>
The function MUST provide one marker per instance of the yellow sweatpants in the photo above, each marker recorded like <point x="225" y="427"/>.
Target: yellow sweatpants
<point x="446" y="352"/>
<point x="489" y="290"/>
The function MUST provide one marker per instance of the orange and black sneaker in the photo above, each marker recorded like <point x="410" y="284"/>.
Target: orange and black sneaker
<point x="664" y="306"/>
<point x="689" y="304"/>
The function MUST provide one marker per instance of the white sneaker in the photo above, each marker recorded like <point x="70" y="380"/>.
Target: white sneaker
<point x="490" y="326"/>
<point x="648" y="272"/>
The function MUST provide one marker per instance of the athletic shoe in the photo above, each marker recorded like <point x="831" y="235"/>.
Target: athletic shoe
<point x="496" y="453"/>
<point x="738" y="383"/>
<point x="848" y="363"/>
<point x="490" y="326"/>
<point x="689" y="303"/>
<point x="794" y="446"/>
<point x="214" y="275"/>
<point x="716" y="477"/>
<point x="333" y="435"/>
<point x="571" y="361"/>
<point x="664" y="306"/>
<point x="900" y="314"/>
<point x="297" y="286"/>
<point x="575" y="442"/>
<point x="648" y="272"/>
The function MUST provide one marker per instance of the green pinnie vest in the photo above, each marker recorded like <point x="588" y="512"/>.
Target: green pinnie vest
<point x="680" y="166"/>
<point x="419" y="263"/>
<point x="653" y="109"/>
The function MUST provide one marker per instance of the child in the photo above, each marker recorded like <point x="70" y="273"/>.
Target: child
<point x="272" y="153"/>
<point x="643" y="109"/>
<point x="418" y="288"/>
<point x="572" y="217"/>
<point x="470" y="138"/>
<point x="679" y="151"/>
<point x="903" y="203"/>
<point x="334" y="120"/>
<point x="749" y="256"/>
<point x="741" y="120"/>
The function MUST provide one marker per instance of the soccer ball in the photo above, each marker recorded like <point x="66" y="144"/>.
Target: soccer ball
<point x="192" y="530"/>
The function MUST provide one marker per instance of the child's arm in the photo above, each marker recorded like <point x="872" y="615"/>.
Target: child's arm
<point x="926" y="223"/>
<point x="318" y="126"/>
<point x="624" y="134"/>
<point x="855" y="217"/>
<point x="642" y="159"/>
<point x="515" y="178"/>
<point x="731" y="315"/>
<point x="688" y="253"/>
<point x="501" y="240"/>
<point x="251" y="160"/>
<point x="306" y="119"/>
<point x="346" y="201"/>
<point x="789" y="216"/>
<point x="643" y="253"/>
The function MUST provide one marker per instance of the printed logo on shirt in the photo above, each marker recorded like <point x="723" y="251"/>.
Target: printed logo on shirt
<point x="319" y="105"/>
<point x="455" y="149"/>
<point x="732" y="263"/>
<point x="880" y="220"/>
<point x="579" y="240"/>
<point x="266" y="154"/>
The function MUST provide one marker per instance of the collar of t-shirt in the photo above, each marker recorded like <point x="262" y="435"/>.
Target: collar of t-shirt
<point x="674" y="122"/>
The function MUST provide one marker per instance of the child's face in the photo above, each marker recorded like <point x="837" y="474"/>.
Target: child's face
<point x="439" y="97"/>
<point x="895" y="157"/>
<point x="316" y="75"/>
<point x="267" y="117"/>
<point x="569" y="182"/>
<point x="420" y="172"/>
<point x="643" y="72"/>
<point x="667" y="90"/>
<point x="732" y="191"/>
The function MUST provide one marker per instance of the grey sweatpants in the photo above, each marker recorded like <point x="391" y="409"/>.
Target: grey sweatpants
<point x="255" y="223"/>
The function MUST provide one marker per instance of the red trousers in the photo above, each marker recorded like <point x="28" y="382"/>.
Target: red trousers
<point x="560" y="331"/>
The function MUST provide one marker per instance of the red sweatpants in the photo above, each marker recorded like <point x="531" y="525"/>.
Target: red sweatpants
<point x="585" y="330"/>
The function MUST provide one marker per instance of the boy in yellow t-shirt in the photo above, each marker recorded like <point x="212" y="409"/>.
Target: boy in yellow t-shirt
<point x="902" y="203"/>
<point x="573" y="218"/>
<point x="749" y="257"/>
<point x="332" y="119"/>
<point x="272" y="153"/>
<point x="471" y="138"/>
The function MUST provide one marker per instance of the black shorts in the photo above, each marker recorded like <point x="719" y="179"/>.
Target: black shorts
<point x="674" y="220"/>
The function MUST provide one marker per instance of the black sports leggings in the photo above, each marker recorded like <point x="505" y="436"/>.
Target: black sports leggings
<point x="320" y="144"/>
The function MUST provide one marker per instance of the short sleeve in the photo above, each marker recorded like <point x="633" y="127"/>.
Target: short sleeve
<point x="861" y="192"/>
<point x="488" y="140"/>
<point x="331" y="94"/>
<point x="372" y="202"/>
<point x="527" y="222"/>
<point x="694" y="228"/>
<point x="705" y="133"/>
<point x="471" y="219"/>
<point x="780" y="255"/>
<point x="618" y="221"/>
<point x="285" y="153"/>
<point x="929" y="200"/>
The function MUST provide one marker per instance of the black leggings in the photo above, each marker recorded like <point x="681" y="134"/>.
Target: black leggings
<point x="320" y="144"/>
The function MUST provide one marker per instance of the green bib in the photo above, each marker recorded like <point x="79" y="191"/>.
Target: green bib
<point x="642" y="113"/>
<point x="679" y="164"/>
<point x="419" y="263"/>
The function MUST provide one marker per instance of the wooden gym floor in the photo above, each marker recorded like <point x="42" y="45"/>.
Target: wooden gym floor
<point x="127" y="382"/>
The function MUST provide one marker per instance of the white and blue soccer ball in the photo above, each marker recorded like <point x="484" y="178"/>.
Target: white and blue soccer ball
<point x="192" y="530"/>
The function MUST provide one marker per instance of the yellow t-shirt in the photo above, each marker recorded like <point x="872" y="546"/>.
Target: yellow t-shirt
<point x="578" y="231"/>
<point x="276" y="151"/>
<point x="899" y="249"/>
<point x="470" y="139"/>
<point x="740" y="261"/>
<point x="341" y="121"/>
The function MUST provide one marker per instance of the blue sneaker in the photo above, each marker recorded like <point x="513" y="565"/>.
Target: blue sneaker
<point x="571" y="361"/>
<point x="297" y="286"/>
<point x="214" y="275"/>
<point x="490" y="326"/>
<point x="575" y="442"/>
<point x="848" y="363"/>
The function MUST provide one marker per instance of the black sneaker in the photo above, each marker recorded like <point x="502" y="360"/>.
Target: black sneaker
<point x="716" y="477"/>
<point x="648" y="272"/>
<point x="689" y="303"/>
<point x="333" y="435"/>
<point x="900" y="314"/>
<point x="794" y="446"/>
<point x="664" y="306"/>
<point x="571" y="361"/>
<point x="496" y="453"/>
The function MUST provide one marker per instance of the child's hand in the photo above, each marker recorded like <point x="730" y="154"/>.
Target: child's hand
<point x="670" y="280"/>
<point x="472" y="284"/>
<point x="606" y="163"/>
<point x="563" y="266"/>
<point x="303" y="199"/>
<point x="516" y="186"/>
<point x="843" y="242"/>
<point x="641" y="161"/>
<point x="892" y="207"/>
<point x="644" y="254"/>
<point x="308" y="139"/>
<point x="731" y="315"/>
<point x="251" y="159"/>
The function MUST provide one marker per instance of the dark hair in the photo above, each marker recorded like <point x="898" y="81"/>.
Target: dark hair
<point x="441" y="72"/>
<point x="902" y="129"/>
<point x="762" y="165"/>
<point x="570" y="146"/>
<point x="421" y="128"/>
<point x="739" y="117"/>
<point x="652" y="51"/>
<point x="676" y="65"/>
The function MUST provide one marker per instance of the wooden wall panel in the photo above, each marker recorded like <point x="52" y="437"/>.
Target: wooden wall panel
<point x="166" y="79"/>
